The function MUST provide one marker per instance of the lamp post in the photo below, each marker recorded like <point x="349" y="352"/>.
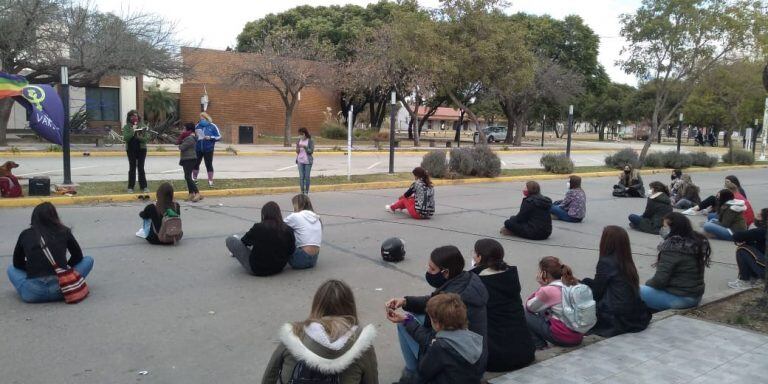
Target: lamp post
<point x="392" y="102"/>
<point x="65" y="129"/>
<point x="570" y="132"/>
<point x="349" y="142"/>
<point x="679" y="131"/>
<point x="543" y="122"/>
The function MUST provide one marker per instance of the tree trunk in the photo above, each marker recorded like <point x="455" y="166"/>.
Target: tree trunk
<point x="509" y="114"/>
<point x="288" y="121"/>
<point x="519" y="128"/>
<point x="600" y="132"/>
<point x="471" y="114"/>
<point x="651" y="135"/>
<point x="458" y="127"/>
<point x="6" y="105"/>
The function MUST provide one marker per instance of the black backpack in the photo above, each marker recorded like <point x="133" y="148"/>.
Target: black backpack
<point x="302" y="374"/>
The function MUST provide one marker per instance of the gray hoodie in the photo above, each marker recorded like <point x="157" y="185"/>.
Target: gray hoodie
<point x="465" y="342"/>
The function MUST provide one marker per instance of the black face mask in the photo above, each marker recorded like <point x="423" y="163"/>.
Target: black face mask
<point x="437" y="280"/>
<point x="627" y="171"/>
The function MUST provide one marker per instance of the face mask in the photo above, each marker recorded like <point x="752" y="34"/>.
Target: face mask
<point x="525" y="193"/>
<point x="134" y="120"/>
<point x="664" y="232"/>
<point x="437" y="280"/>
<point x="474" y="263"/>
<point x="627" y="171"/>
<point x="673" y="177"/>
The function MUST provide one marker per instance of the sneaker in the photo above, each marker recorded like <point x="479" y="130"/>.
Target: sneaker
<point x="145" y="190"/>
<point x="388" y="208"/>
<point x="130" y="190"/>
<point x="690" y="212"/>
<point x="741" y="284"/>
<point x="210" y="183"/>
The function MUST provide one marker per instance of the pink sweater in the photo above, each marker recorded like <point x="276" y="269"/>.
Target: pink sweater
<point x="548" y="300"/>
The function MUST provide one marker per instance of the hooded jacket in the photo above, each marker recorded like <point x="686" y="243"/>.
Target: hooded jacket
<point x="307" y="228"/>
<point x="533" y="221"/>
<point x="657" y="207"/>
<point x="677" y="270"/>
<point x="731" y="215"/>
<point x="352" y="356"/>
<point x="205" y="128"/>
<point x="187" y="149"/>
<point x="453" y="357"/>
<point x="475" y="297"/>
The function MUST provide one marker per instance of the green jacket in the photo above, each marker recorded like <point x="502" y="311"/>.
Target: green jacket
<point x="677" y="270"/>
<point x="128" y="134"/>
<point x="354" y="361"/>
<point x="731" y="215"/>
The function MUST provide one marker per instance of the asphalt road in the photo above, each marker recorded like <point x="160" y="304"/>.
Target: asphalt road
<point x="190" y="314"/>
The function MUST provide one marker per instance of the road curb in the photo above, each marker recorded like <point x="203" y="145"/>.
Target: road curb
<point x="125" y="198"/>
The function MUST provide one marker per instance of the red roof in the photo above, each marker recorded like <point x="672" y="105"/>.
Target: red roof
<point x="442" y="113"/>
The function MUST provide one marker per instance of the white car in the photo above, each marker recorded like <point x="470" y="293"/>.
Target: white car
<point x="493" y="134"/>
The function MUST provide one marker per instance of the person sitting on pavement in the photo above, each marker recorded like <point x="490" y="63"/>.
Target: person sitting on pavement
<point x="153" y="214"/>
<point x="616" y="287"/>
<point x="419" y="199"/>
<point x="679" y="279"/>
<point x="728" y="219"/>
<point x="709" y="205"/>
<point x="31" y="273"/>
<point x="308" y="231"/>
<point x="656" y="208"/>
<point x="329" y="346"/>
<point x="544" y="308"/>
<point x="265" y="249"/>
<point x="750" y="253"/>
<point x="688" y="195"/>
<point x="533" y="221"/>
<point x="445" y="273"/>
<point x="510" y="346"/>
<point x="573" y="207"/>
<point x="674" y="185"/>
<point x="630" y="184"/>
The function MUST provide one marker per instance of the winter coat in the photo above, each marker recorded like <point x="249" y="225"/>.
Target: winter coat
<point x="677" y="270"/>
<point x="533" y="221"/>
<point x="354" y="360"/>
<point x="424" y="197"/>
<point x="453" y="357"/>
<point x="657" y="207"/>
<point x="510" y="345"/>
<point x="731" y="215"/>
<point x="575" y="202"/>
<point x="633" y="182"/>
<point x="270" y="248"/>
<point x="134" y="142"/>
<point x="474" y="295"/>
<point x="749" y="214"/>
<point x="203" y="129"/>
<point x="754" y="237"/>
<point x="187" y="149"/>
<point x="619" y="306"/>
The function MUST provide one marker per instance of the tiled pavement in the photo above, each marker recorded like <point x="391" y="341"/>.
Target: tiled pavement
<point x="678" y="349"/>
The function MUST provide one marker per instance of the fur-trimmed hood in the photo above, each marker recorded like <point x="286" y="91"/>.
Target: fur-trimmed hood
<point x="319" y="353"/>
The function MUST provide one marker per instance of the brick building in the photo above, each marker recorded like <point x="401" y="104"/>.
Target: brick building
<point x="241" y="112"/>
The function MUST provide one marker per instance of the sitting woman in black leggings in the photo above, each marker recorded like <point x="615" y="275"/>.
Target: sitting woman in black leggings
<point x="750" y="253"/>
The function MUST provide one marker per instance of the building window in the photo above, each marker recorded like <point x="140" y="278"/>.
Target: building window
<point x="103" y="104"/>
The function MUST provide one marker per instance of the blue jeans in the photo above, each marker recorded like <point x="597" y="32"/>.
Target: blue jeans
<point x="408" y="346"/>
<point x="46" y="288"/>
<point x="713" y="227"/>
<point x="302" y="260"/>
<point x="562" y="214"/>
<point x="684" y="204"/>
<point x="304" y="170"/>
<point x="711" y="216"/>
<point x="660" y="300"/>
<point x="634" y="220"/>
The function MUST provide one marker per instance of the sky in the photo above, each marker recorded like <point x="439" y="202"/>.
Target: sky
<point x="216" y="24"/>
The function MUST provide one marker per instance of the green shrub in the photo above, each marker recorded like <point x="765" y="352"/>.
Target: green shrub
<point x="738" y="156"/>
<point x="654" y="160"/>
<point x="435" y="163"/>
<point x="334" y="131"/>
<point x="486" y="162"/>
<point x="701" y="159"/>
<point x="461" y="161"/>
<point x="364" y="134"/>
<point x="676" y="160"/>
<point x="620" y="159"/>
<point x="556" y="163"/>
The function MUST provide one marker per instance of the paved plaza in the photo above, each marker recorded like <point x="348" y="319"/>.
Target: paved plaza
<point x="191" y="314"/>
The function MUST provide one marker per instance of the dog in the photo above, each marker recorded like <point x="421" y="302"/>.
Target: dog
<point x="9" y="184"/>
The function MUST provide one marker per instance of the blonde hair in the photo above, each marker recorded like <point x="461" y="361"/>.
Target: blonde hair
<point x="206" y="116"/>
<point x="301" y="202"/>
<point x="333" y="307"/>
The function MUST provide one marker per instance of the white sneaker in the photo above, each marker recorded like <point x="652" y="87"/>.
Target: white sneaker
<point x="690" y="212"/>
<point x="741" y="284"/>
<point x="389" y="208"/>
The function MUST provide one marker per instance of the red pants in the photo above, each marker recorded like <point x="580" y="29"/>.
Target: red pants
<point x="407" y="203"/>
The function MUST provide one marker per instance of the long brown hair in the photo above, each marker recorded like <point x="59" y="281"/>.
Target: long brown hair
<point x="164" y="197"/>
<point x="679" y="225"/>
<point x="615" y="243"/>
<point x="334" y="308"/>
<point x="658" y="186"/>
<point x="491" y="254"/>
<point x="422" y="174"/>
<point x="272" y="216"/>
<point x="557" y="270"/>
<point x="45" y="220"/>
<point x="301" y="202"/>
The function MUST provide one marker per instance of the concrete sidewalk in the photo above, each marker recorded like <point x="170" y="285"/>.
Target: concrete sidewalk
<point x="677" y="349"/>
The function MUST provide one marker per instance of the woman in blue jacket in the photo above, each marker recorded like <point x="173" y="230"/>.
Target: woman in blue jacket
<point x="207" y="135"/>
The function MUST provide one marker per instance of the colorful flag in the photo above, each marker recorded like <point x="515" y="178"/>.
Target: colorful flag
<point x="11" y="85"/>
<point x="45" y="111"/>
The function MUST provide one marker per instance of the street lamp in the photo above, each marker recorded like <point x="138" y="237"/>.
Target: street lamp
<point x="392" y="102"/>
<point x="679" y="131"/>
<point x="570" y="132"/>
<point x="65" y="132"/>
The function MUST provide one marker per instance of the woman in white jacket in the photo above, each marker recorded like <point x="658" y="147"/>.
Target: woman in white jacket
<point x="308" y="230"/>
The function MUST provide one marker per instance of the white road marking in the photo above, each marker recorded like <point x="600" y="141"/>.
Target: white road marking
<point x="286" y="168"/>
<point x="374" y="164"/>
<point x="172" y="170"/>
<point x="44" y="172"/>
<point x="504" y="163"/>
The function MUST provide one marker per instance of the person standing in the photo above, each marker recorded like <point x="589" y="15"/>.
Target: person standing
<point x="134" y="135"/>
<point x="304" y="149"/>
<point x="188" y="159"/>
<point x="207" y="135"/>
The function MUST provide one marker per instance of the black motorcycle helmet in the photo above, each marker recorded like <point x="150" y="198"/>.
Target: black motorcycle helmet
<point x="393" y="250"/>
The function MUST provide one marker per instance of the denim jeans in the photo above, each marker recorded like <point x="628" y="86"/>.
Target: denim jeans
<point x="713" y="227"/>
<point x="304" y="170"/>
<point x="751" y="263"/>
<point x="408" y="346"/>
<point x="634" y="220"/>
<point x="562" y="214"/>
<point x="684" y="204"/>
<point x="302" y="260"/>
<point x="46" y="288"/>
<point x="712" y="216"/>
<point x="660" y="300"/>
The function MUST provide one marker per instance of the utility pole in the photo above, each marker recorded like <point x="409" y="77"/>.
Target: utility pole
<point x="679" y="132"/>
<point x="543" y="122"/>
<point x="570" y="132"/>
<point x="392" y="102"/>
<point x="65" y="139"/>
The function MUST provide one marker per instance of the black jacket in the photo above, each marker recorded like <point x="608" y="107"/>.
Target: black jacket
<point x="655" y="210"/>
<point x="475" y="297"/>
<point x="754" y="237"/>
<point x="453" y="357"/>
<point x="533" y="221"/>
<point x="619" y="306"/>
<point x="270" y="248"/>
<point x="510" y="345"/>
<point x="28" y="254"/>
<point x="150" y="212"/>
<point x="678" y="270"/>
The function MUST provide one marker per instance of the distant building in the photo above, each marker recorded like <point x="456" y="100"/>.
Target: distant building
<point x="443" y="119"/>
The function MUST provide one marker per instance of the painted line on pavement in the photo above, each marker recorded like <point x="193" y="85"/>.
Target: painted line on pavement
<point x="286" y="168"/>
<point x="504" y="163"/>
<point x="56" y="170"/>
<point x="172" y="170"/>
<point x="374" y="164"/>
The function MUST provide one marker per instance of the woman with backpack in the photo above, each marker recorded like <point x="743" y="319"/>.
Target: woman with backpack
<point x="188" y="160"/>
<point x="267" y="246"/>
<point x="657" y="206"/>
<point x="616" y="287"/>
<point x="330" y="346"/>
<point x="533" y="220"/>
<point x="445" y="273"/>
<point x="154" y="215"/>
<point x="573" y="207"/>
<point x="510" y="346"/>
<point x="31" y="272"/>
<point x="630" y="184"/>
<point x="419" y="199"/>
<point x="544" y="308"/>
<point x="135" y="137"/>
<point x="308" y="231"/>
<point x="679" y="279"/>
<point x="207" y="134"/>
<point x="728" y="219"/>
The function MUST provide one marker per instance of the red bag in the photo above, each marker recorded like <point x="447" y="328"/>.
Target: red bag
<point x="72" y="285"/>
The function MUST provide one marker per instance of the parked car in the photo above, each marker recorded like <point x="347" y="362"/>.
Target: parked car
<point x="493" y="134"/>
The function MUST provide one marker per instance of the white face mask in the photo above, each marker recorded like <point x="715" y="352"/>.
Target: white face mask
<point x="567" y="185"/>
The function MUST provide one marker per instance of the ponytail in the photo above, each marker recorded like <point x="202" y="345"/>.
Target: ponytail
<point x="553" y="267"/>
<point x="567" y="276"/>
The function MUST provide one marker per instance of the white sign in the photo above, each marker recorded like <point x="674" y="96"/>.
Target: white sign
<point x="765" y="134"/>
